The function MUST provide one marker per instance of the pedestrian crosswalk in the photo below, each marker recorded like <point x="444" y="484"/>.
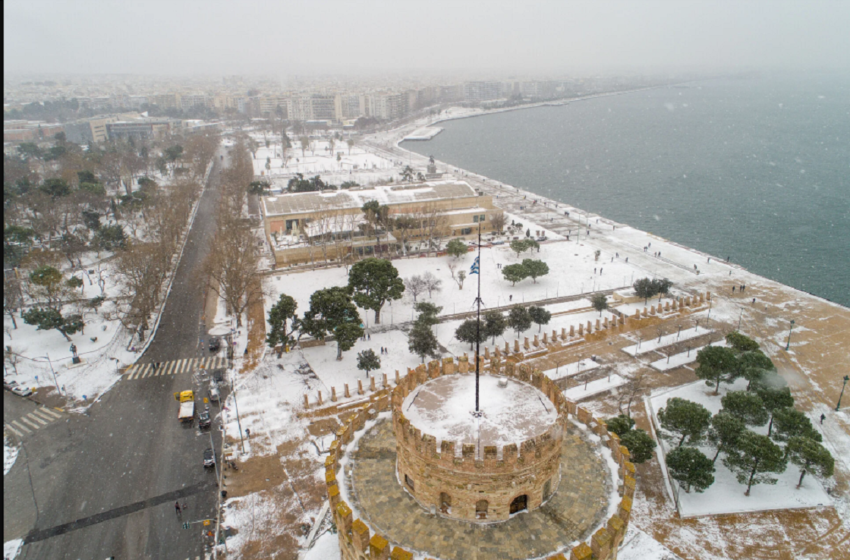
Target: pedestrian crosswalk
<point x="173" y="367"/>
<point x="35" y="420"/>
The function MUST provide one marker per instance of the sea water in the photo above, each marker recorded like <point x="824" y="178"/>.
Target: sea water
<point x="757" y="168"/>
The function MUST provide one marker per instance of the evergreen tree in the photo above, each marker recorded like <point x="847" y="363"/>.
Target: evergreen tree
<point x="790" y="422"/>
<point x="494" y="324"/>
<point x="468" y="331"/>
<point x="774" y="399"/>
<point x="690" y="467"/>
<point x="457" y="248"/>
<point x="422" y="342"/>
<point x="599" y="302"/>
<point x="279" y="314"/>
<point x="519" y="320"/>
<point x="535" y="269"/>
<point x="684" y="418"/>
<point x="754" y="460"/>
<point x="333" y="313"/>
<point x="47" y="319"/>
<point x="725" y="431"/>
<point x="754" y="367"/>
<point x="640" y="445"/>
<point x="811" y="457"/>
<point x="373" y="282"/>
<point x="368" y="361"/>
<point x="539" y="316"/>
<point x="741" y="343"/>
<point x="514" y="273"/>
<point x="716" y="364"/>
<point x="620" y="424"/>
<point x="746" y="406"/>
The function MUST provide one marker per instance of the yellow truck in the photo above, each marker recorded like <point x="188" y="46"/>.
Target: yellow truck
<point x="187" y="405"/>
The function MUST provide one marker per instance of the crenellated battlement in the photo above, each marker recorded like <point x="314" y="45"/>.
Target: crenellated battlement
<point x="507" y="469"/>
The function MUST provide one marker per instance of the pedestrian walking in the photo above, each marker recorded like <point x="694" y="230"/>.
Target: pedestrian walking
<point x="733" y="289"/>
<point x="177" y="507"/>
<point x="600" y="272"/>
<point x="709" y="260"/>
<point x="511" y="297"/>
<point x="754" y="302"/>
<point x="247" y="432"/>
<point x="154" y="366"/>
<point x="368" y="336"/>
<point x="822" y="418"/>
<point x="594" y="270"/>
<point x="627" y="259"/>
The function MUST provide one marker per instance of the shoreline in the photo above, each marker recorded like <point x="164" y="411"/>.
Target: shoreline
<point x="489" y="183"/>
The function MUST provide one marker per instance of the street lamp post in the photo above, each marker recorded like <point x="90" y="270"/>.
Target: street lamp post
<point x="788" y="343"/>
<point x="846" y="379"/>
<point x="55" y="382"/>
<point x="741" y="316"/>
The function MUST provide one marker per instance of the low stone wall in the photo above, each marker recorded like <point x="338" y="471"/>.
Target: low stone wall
<point x="358" y="543"/>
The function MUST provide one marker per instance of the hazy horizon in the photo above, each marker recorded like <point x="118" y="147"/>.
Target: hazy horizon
<point x="91" y="37"/>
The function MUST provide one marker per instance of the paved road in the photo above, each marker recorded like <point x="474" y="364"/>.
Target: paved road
<point x="105" y="484"/>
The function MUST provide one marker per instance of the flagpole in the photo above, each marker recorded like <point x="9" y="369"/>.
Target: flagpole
<point x="478" y="323"/>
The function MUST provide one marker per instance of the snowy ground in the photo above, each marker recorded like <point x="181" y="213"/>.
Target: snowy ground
<point x="594" y="387"/>
<point x="102" y="345"/>
<point x="570" y="370"/>
<point x="645" y="346"/>
<point x="10" y="454"/>
<point x="11" y="549"/>
<point x="639" y="546"/>
<point x="683" y="358"/>
<point x="726" y="495"/>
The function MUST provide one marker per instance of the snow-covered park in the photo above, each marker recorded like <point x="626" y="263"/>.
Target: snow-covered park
<point x="726" y="495"/>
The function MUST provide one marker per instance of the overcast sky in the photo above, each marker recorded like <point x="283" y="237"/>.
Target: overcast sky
<point x="279" y="37"/>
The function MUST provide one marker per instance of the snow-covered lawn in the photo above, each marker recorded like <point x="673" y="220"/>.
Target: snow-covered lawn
<point x="570" y="370"/>
<point x="10" y="453"/>
<point x="654" y="343"/>
<point x="11" y="549"/>
<point x="595" y="387"/>
<point x="726" y="495"/>
<point x="675" y="360"/>
<point x="333" y="373"/>
<point x="639" y="546"/>
<point x="325" y="548"/>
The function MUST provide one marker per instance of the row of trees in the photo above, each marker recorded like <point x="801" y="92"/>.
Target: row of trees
<point x="754" y="458"/>
<point x="494" y="323"/>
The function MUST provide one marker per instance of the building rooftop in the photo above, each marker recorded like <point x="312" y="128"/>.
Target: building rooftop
<point x="514" y="413"/>
<point x="355" y="198"/>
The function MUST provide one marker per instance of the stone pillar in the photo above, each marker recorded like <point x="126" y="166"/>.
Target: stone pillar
<point x="589" y="328"/>
<point x="622" y="320"/>
<point x="701" y="299"/>
<point x="359" y="386"/>
<point x="346" y="392"/>
<point x="555" y="335"/>
<point x="581" y="552"/>
<point x="660" y="308"/>
<point x="487" y="353"/>
<point x="545" y="338"/>
<point x="508" y="348"/>
<point x="385" y="380"/>
<point x="463" y="364"/>
<point x="637" y="313"/>
<point x="371" y="382"/>
<point x="625" y="510"/>
<point x="666" y="306"/>
<point x="343" y="518"/>
<point x="448" y="366"/>
<point x="600" y="543"/>
<point x="597" y="324"/>
<point x="306" y="401"/>
<point x="580" y="329"/>
<point x="605" y="323"/>
<point x="498" y="353"/>
<point x="333" y="394"/>
<point x="708" y="296"/>
<point x="652" y="310"/>
<point x="359" y="536"/>
<point x="516" y="346"/>
<point x="674" y="305"/>
<point x="536" y="342"/>
<point x="379" y="548"/>
<point x="319" y="401"/>
<point x="525" y="344"/>
<point x="396" y="377"/>
<point x="572" y="331"/>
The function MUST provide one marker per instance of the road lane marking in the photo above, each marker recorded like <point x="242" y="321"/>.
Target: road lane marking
<point x="50" y="412"/>
<point x="9" y="427"/>
<point x="41" y="414"/>
<point x="29" y="423"/>
<point x="21" y="426"/>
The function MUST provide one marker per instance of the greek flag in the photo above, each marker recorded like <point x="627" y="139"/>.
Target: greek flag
<point x="475" y="265"/>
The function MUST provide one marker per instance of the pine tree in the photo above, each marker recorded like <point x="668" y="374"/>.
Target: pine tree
<point x="746" y="406"/>
<point x="690" y="467"/>
<point x="687" y="419"/>
<point x="620" y="424"/>
<point x="716" y="364"/>
<point x="811" y="457"/>
<point x="368" y="361"/>
<point x="755" y="459"/>
<point x="725" y="431"/>
<point x="640" y="445"/>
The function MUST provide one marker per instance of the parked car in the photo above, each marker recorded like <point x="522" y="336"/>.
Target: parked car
<point x="215" y="344"/>
<point x="209" y="457"/>
<point x="8" y="385"/>
<point x="204" y="420"/>
<point x="22" y="391"/>
<point x="214" y="396"/>
<point x="542" y="238"/>
<point x="218" y="376"/>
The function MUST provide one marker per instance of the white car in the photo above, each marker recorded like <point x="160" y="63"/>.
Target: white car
<point x="214" y="394"/>
<point x="22" y="391"/>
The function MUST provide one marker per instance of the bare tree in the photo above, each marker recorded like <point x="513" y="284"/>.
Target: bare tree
<point x="141" y="268"/>
<point x="435" y="225"/>
<point x="416" y="285"/>
<point x="498" y="221"/>
<point x="12" y="297"/>
<point x="633" y="389"/>
<point x="432" y="283"/>
<point x="232" y="266"/>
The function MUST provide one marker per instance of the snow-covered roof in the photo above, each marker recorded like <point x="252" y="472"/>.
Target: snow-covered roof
<point x="297" y="203"/>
